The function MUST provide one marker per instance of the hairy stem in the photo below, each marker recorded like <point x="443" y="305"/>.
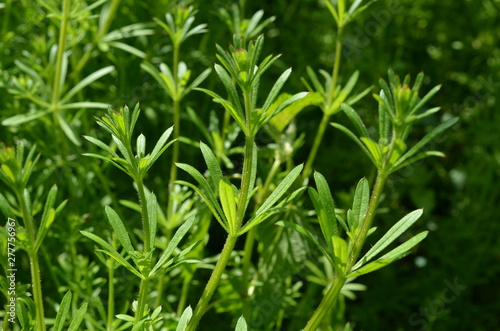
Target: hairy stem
<point x="33" y="257"/>
<point x="111" y="295"/>
<point x="145" y="216"/>
<point x="240" y="214"/>
<point x="141" y="302"/>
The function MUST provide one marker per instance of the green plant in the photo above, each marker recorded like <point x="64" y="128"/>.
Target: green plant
<point x="120" y="124"/>
<point x="399" y="107"/>
<point x="239" y="68"/>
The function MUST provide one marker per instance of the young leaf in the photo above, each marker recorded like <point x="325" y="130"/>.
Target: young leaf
<point x="228" y="201"/>
<point x="280" y="190"/>
<point x="159" y="148"/>
<point x="431" y="135"/>
<point x="109" y="250"/>
<point x="340" y="252"/>
<point x="360" y="204"/>
<point x="172" y="245"/>
<point x="86" y="81"/>
<point x="394" y="255"/>
<point x="276" y="89"/>
<point x="47" y="217"/>
<point x="308" y="235"/>
<point x="213" y="166"/>
<point x="394" y="232"/>
<point x="119" y="228"/>
<point x="241" y="325"/>
<point x="184" y="320"/>
<point x="78" y="318"/>
<point x="152" y="207"/>
<point x="355" y="119"/>
<point x="327" y="216"/>
<point x="351" y="135"/>
<point x="62" y="314"/>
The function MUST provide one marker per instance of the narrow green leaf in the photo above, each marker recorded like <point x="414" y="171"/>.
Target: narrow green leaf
<point x="172" y="245"/>
<point x="87" y="81"/>
<point x="23" y="118"/>
<point x="280" y="190"/>
<point x="62" y="314"/>
<point x="325" y="208"/>
<point x="102" y="145"/>
<point x="308" y="235"/>
<point x="394" y="255"/>
<point x="375" y="151"/>
<point x="160" y="147"/>
<point x="355" y="119"/>
<point x="203" y="184"/>
<point x="5" y="207"/>
<point x="360" y="204"/>
<point x="213" y="166"/>
<point x="257" y="219"/>
<point x="184" y="320"/>
<point x="119" y="228"/>
<point x="394" y="232"/>
<point x="109" y="250"/>
<point x="152" y="207"/>
<point x="141" y="145"/>
<point x="276" y="89"/>
<point x="281" y="120"/>
<point x="340" y="252"/>
<point x="228" y="202"/>
<point x="230" y="88"/>
<point x="78" y="318"/>
<point x="214" y="207"/>
<point x="426" y="98"/>
<point x="68" y="131"/>
<point x="86" y="104"/>
<point x="431" y="135"/>
<point x="241" y="325"/>
<point x="47" y="217"/>
<point x="351" y="135"/>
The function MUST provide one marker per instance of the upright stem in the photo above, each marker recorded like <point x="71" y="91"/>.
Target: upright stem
<point x="141" y="303"/>
<point x="61" y="46"/>
<point x="103" y="29"/>
<point x="111" y="295"/>
<point x="145" y="216"/>
<point x="333" y="292"/>
<point x="231" y="239"/>
<point x="176" y="132"/>
<point x="212" y="283"/>
<point x="326" y="111"/>
<point x="35" y="266"/>
<point x="314" y="150"/>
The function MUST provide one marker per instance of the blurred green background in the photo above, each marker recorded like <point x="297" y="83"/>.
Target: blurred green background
<point x="456" y="43"/>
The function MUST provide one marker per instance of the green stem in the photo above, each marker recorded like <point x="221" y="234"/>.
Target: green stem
<point x="56" y="88"/>
<point x="314" y="150"/>
<point x="212" y="283"/>
<point x="145" y="216"/>
<point x="35" y="266"/>
<point x="231" y="239"/>
<point x="141" y="302"/>
<point x="103" y="29"/>
<point x="111" y="295"/>
<point x="326" y="304"/>
<point x="329" y="300"/>
<point x="176" y="132"/>
<point x="336" y="66"/>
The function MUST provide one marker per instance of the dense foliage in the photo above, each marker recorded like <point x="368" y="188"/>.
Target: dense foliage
<point x="129" y="162"/>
